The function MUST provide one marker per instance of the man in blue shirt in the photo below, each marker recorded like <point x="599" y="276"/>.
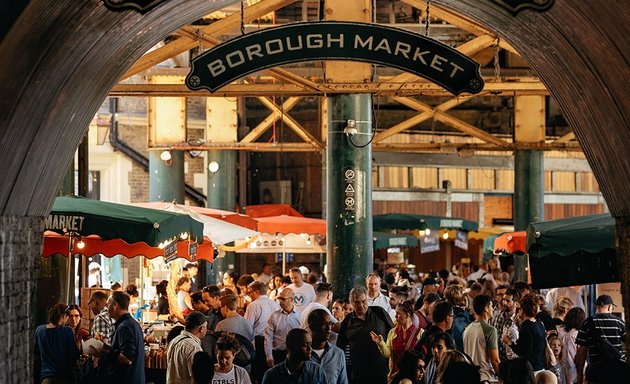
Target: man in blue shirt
<point x="329" y="356"/>
<point x="297" y="368"/>
<point x="124" y="360"/>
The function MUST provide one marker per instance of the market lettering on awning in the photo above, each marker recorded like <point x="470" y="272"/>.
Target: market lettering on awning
<point x="364" y="42"/>
<point x="64" y="222"/>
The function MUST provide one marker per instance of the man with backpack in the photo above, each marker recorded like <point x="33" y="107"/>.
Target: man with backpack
<point x="600" y="337"/>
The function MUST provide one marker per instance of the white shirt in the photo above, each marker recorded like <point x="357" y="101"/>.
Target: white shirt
<point x="310" y="308"/>
<point x="304" y="295"/>
<point x="258" y="312"/>
<point x="383" y="302"/>
<point x="236" y="375"/>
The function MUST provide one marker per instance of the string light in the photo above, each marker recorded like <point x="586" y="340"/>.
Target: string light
<point x="445" y="235"/>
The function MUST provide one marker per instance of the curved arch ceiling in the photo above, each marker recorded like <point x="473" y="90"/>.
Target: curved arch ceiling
<point x="50" y="91"/>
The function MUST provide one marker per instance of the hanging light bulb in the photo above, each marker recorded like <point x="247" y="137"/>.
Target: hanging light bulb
<point x="161" y="246"/>
<point x="428" y="231"/>
<point x="308" y="241"/>
<point x="80" y="244"/>
<point x="445" y="235"/>
<point x="166" y="155"/>
<point x="183" y="235"/>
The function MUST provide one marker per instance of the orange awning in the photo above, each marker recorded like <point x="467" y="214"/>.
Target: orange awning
<point x="267" y="210"/>
<point x="58" y="244"/>
<point x="511" y="242"/>
<point x="230" y="217"/>
<point x="291" y="224"/>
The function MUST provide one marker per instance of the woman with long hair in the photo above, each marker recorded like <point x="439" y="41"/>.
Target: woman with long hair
<point x="448" y="359"/>
<point x="560" y="309"/>
<point x="73" y="313"/>
<point x="183" y="295"/>
<point x="410" y="369"/>
<point x="229" y="281"/>
<point x="56" y="348"/>
<point x="442" y="342"/>
<point x="162" y="301"/>
<point x="402" y="337"/>
<point x="568" y="333"/>
<point x="275" y="287"/>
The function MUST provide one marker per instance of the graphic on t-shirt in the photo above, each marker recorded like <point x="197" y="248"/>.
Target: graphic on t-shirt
<point x="298" y="299"/>
<point x="224" y="378"/>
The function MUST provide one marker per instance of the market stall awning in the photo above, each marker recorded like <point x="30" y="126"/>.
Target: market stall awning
<point x="230" y="217"/>
<point x="391" y="240"/>
<point x="581" y="248"/>
<point x="408" y="221"/>
<point x="94" y="245"/>
<point x="291" y="224"/>
<point x="267" y="210"/>
<point x="512" y="242"/>
<point x="217" y="231"/>
<point x="85" y="217"/>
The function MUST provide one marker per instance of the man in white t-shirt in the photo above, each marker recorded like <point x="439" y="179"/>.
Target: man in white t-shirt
<point x="323" y="299"/>
<point x="375" y="297"/>
<point x="304" y="293"/>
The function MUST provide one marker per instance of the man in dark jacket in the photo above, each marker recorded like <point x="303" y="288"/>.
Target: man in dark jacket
<point x="368" y="364"/>
<point x="124" y="360"/>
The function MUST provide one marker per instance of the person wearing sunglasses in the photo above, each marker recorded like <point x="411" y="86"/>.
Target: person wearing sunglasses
<point x="278" y="326"/>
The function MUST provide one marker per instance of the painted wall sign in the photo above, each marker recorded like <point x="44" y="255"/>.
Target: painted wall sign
<point x="515" y="6"/>
<point x="139" y="5"/>
<point x="371" y="43"/>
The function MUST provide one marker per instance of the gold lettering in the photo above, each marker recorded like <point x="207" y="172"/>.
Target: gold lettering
<point x="253" y="50"/>
<point x="359" y="42"/>
<point x="383" y="45"/>
<point x="402" y="48"/>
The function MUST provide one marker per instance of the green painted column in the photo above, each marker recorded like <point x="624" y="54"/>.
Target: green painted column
<point x="222" y="182"/>
<point x="529" y="194"/>
<point x="349" y="191"/>
<point x="166" y="178"/>
<point x="221" y="195"/>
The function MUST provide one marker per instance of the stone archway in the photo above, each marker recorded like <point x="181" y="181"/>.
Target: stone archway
<point x="60" y="60"/>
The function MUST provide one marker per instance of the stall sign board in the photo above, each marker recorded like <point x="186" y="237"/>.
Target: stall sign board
<point x="461" y="239"/>
<point x="170" y="252"/>
<point x="430" y="243"/>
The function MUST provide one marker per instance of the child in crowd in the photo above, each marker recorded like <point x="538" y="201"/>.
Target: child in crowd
<point x="225" y="371"/>
<point x="561" y="369"/>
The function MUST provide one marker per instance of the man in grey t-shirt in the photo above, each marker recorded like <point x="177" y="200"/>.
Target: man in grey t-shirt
<point x="481" y="340"/>
<point x="234" y="322"/>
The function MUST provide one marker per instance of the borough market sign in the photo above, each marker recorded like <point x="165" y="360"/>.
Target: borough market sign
<point x="364" y="42"/>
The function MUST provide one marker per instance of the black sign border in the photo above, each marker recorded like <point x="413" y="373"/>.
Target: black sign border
<point x="528" y="4"/>
<point x="474" y="86"/>
<point x="120" y="6"/>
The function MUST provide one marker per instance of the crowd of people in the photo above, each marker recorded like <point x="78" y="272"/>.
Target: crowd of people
<point x="269" y="329"/>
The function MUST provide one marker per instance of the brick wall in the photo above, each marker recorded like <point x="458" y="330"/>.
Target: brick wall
<point x="20" y="249"/>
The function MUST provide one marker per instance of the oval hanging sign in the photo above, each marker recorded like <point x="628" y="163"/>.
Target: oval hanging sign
<point x="329" y="40"/>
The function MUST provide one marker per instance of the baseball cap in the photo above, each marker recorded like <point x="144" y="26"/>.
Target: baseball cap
<point x="604" y="300"/>
<point x="429" y="281"/>
<point x="195" y="319"/>
<point x="304" y="270"/>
